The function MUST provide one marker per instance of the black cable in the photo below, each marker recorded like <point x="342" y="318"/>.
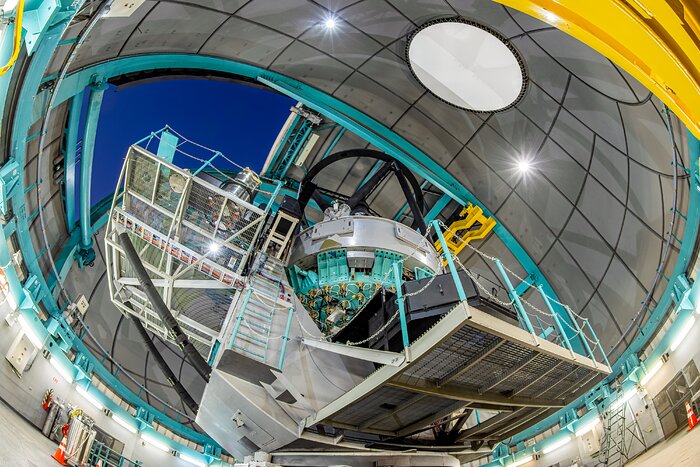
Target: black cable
<point x="163" y="365"/>
<point x="181" y="339"/>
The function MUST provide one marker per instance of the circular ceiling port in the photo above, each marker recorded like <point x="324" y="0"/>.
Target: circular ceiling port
<point x="467" y="65"/>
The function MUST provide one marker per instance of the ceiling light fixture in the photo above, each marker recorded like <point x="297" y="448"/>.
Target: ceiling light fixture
<point x="557" y="444"/>
<point x="524" y="166"/>
<point x="587" y="427"/>
<point x="467" y="65"/>
<point x="685" y="329"/>
<point x="330" y="23"/>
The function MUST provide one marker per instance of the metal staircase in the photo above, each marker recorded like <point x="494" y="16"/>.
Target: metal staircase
<point x="618" y="437"/>
<point x="254" y="319"/>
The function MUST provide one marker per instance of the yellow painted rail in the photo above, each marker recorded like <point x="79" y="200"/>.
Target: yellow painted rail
<point x="656" y="41"/>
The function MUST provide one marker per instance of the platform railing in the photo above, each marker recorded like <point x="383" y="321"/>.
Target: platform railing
<point x="579" y="327"/>
<point x="109" y="457"/>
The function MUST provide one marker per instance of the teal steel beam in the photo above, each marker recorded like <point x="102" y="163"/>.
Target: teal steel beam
<point x="398" y="282"/>
<point x="93" y="115"/>
<point x="76" y="106"/>
<point x="275" y="157"/>
<point x="437" y="208"/>
<point x="331" y="146"/>
<point x="450" y="264"/>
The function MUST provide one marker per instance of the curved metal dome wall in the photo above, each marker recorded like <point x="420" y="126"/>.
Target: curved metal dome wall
<point x="603" y="183"/>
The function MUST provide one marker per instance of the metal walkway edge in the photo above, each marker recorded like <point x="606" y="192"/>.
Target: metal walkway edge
<point x="468" y="358"/>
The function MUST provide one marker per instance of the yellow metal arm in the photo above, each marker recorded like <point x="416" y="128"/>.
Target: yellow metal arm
<point x="461" y="231"/>
<point x="656" y="41"/>
<point x="17" y="42"/>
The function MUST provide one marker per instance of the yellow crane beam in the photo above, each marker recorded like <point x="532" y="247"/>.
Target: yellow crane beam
<point x="656" y="41"/>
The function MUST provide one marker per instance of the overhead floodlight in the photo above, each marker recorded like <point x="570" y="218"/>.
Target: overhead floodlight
<point x="214" y="247"/>
<point x="126" y="425"/>
<point x="192" y="460"/>
<point x="524" y="166"/>
<point x="519" y="462"/>
<point x="90" y="398"/>
<point x="330" y="23"/>
<point x="156" y="443"/>
<point x="556" y="445"/>
<point x="467" y="65"/>
<point x="682" y="332"/>
<point x="651" y="372"/>
<point x="67" y="374"/>
<point x="29" y="332"/>
<point x="549" y="17"/>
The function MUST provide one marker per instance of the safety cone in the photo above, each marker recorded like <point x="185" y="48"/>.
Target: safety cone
<point x="99" y="462"/>
<point x="692" y="419"/>
<point x="60" y="454"/>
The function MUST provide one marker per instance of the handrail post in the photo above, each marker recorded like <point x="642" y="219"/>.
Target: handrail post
<point x="450" y="263"/>
<point x="557" y="321"/>
<point x="600" y="347"/>
<point x="401" y="304"/>
<point x="286" y="337"/>
<point x="207" y="163"/>
<point x="239" y="320"/>
<point x="516" y="300"/>
<point x="581" y="335"/>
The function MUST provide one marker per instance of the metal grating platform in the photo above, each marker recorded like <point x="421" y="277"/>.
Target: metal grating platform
<point x="467" y="359"/>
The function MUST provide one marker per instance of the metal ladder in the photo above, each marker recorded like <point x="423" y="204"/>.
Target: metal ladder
<point x="251" y="333"/>
<point x="618" y="437"/>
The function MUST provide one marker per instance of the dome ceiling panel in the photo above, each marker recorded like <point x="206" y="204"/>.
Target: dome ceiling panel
<point x="479" y="178"/>
<point x="561" y="169"/>
<point x="575" y="138"/>
<point x="608" y="332"/>
<point x="646" y="197"/>
<point x="420" y="130"/>
<point x="636" y="239"/>
<point x="523" y="136"/>
<point x="291" y="17"/>
<point x="586" y="246"/>
<point x="621" y="292"/>
<point x="588" y="65"/>
<point x="498" y="153"/>
<point x="109" y="36"/>
<point x="535" y="236"/>
<point x="175" y="27"/>
<point x="368" y="96"/>
<point x="420" y="11"/>
<point x="307" y="64"/>
<point x="391" y="71"/>
<point x="490" y="13"/>
<point x="247" y="41"/>
<point x="459" y="124"/>
<point x="600" y="114"/>
<point x="609" y="166"/>
<point x="224" y="6"/>
<point x="602" y="209"/>
<point x="646" y="136"/>
<point x="539" y="107"/>
<point x="352" y="48"/>
<point x="378" y="19"/>
<point x="543" y="70"/>
<point x="566" y="277"/>
<point x="553" y="207"/>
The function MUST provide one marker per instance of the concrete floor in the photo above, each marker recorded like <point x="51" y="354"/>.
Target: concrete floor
<point x="22" y="444"/>
<point x="681" y="450"/>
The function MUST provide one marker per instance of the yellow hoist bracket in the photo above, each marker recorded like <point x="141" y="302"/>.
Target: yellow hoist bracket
<point x="473" y="225"/>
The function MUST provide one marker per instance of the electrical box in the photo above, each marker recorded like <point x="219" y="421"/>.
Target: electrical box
<point x="21" y="353"/>
<point x="82" y="304"/>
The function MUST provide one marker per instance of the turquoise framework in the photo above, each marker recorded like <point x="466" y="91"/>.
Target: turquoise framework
<point x="42" y="37"/>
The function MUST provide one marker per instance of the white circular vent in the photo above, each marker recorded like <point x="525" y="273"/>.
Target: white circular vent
<point x="467" y="65"/>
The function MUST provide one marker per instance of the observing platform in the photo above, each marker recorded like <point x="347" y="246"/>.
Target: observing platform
<point x="467" y="359"/>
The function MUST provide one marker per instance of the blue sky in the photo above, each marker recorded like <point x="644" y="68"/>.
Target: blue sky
<point x="240" y="121"/>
